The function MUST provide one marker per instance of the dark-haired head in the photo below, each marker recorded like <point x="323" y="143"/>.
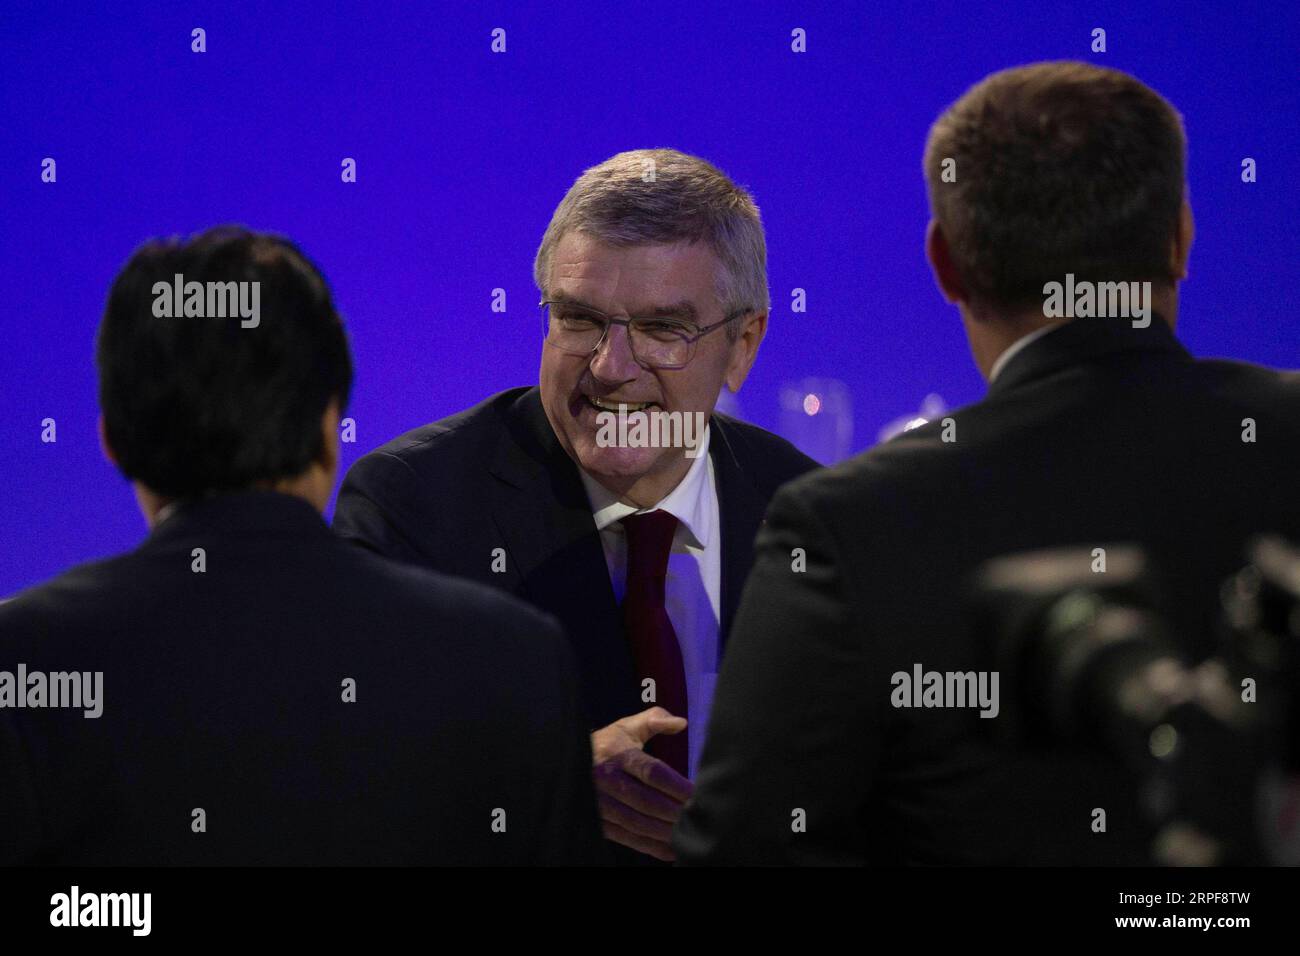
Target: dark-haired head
<point x="201" y="404"/>
<point x="1051" y="169"/>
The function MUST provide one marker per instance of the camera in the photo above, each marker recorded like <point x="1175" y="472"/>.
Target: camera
<point x="1088" y="662"/>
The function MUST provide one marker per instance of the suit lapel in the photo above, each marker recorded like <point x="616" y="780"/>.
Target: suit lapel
<point x="542" y="512"/>
<point x="741" y="509"/>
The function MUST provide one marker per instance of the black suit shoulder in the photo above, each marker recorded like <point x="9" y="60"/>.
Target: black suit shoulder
<point x="920" y="468"/>
<point x="64" y="596"/>
<point x="768" y="458"/>
<point x="448" y="444"/>
<point x="1240" y="382"/>
<point x="78" y="601"/>
<point x="422" y="486"/>
<point x="466" y="699"/>
<point x="439" y="453"/>
<point x="147" y="598"/>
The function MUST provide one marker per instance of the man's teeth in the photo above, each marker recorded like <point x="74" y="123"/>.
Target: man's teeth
<point x="606" y="406"/>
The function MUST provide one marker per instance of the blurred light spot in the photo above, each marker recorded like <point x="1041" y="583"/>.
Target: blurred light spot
<point x="811" y="404"/>
<point x="1164" y="741"/>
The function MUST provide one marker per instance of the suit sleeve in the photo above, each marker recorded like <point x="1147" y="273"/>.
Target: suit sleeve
<point x="570" y="830"/>
<point x="792" y="741"/>
<point x="370" y="505"/>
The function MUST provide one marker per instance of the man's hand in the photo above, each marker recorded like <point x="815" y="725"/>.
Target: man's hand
<point x="640" y="797"/>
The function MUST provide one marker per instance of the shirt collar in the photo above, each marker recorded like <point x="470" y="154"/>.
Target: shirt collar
<point x="1018" y="346"/>
<point x="688" y="502"/>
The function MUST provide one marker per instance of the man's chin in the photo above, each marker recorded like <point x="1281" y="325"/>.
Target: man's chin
<point x="617" y="465"/>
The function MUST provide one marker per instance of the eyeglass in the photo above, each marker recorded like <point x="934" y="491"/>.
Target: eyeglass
<point x="655" y="342"/>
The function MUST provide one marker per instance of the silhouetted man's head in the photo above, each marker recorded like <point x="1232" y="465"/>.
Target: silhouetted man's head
<point x="231" y="376"/>
<point x="1057" y="167"/>
<point x="1053" y="169"/>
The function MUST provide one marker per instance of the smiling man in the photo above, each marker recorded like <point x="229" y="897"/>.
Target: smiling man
<point x="654" y="298"/>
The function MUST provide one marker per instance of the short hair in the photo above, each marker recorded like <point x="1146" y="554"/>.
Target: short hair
<point x="1059" y="167"/>
<point x="194" y="406"/>
<point x="687" y="199"/>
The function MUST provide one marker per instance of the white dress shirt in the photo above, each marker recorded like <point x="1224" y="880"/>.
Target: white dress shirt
<point x="693" y="591"/>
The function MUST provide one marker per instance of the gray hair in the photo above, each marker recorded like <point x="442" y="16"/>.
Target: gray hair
<point x="663" y="196"/>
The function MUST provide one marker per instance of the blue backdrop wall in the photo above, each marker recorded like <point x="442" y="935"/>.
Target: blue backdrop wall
<point x="463" y="153"/>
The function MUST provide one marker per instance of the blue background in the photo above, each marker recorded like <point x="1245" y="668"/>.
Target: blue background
<point x="462" y="155"/>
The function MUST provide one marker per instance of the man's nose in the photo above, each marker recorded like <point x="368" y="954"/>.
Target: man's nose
<point x="613" y="361"/>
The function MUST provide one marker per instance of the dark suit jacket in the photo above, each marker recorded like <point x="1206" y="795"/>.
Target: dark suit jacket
<point x="1096" y="433"/>
<point x="448" y="494"/>
<point x="223" y="690"/>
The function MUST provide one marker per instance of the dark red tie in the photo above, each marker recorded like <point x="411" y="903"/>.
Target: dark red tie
<point x="650" y="633"/>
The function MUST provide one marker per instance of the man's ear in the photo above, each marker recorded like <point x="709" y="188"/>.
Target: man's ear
<point x="329" y="435"/>
<point x="745" y="349"/>
<point x="945" y="271"/>
<point x="109" y="455"/>
<point x="1184" y="232"/>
